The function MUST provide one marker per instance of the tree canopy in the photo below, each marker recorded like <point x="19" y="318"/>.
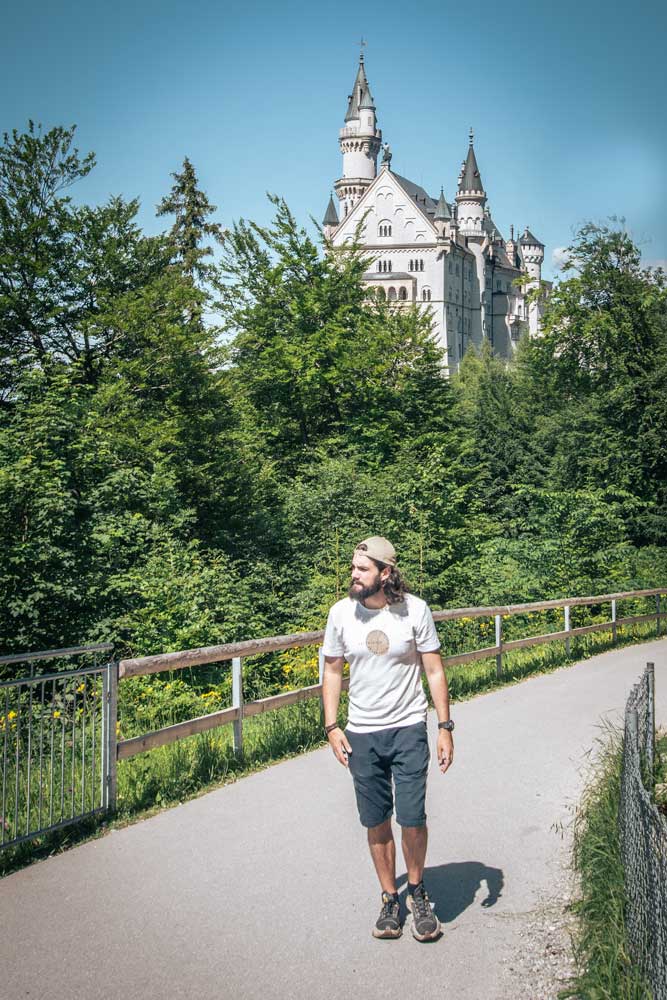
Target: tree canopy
<point x="190" y="442"/>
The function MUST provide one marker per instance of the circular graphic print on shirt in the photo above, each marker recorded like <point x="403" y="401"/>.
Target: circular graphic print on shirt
<point x="378" y="642"/>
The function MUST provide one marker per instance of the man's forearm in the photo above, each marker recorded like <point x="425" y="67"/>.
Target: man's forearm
<point x="437" y="682"/>
<point x="332" y="683"/>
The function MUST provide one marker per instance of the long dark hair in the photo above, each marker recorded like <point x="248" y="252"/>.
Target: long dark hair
<point x="394" y="587"/>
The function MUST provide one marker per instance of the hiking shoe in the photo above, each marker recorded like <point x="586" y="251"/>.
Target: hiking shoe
<point x="388" y="924"/>
<point x="425" y="924"/>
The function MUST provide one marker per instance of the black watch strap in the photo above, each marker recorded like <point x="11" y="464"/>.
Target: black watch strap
<point x="328" y="729"/>
<point x="449" y="725"/>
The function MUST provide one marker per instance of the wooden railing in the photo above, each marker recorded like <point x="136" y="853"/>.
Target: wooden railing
<point x="237" y="651"/>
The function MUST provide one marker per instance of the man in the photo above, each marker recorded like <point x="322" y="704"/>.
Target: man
<point x="386" y="635"/>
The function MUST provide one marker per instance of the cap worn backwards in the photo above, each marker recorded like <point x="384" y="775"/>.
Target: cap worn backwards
<point x="378" y="548"/>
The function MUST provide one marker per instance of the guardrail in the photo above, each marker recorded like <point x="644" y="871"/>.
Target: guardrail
<point x="57" y="742"/>
<point x="237" y="651"/>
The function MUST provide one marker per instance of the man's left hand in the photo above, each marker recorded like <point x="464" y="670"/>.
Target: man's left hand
<point x="445" y="749"/>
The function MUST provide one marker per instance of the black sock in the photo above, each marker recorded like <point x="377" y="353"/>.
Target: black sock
<point x="412" y="887"/>
<point x="394" y="896"/>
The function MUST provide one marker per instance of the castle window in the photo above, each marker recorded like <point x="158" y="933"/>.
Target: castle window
<point x="409" y="265"/>
<point x="426" y="294"/>
<point x="402" y="294"/>
<point x="380" y="293"/>
<point x="384" y="229"/>
<point x="421" y="265"/>
<point x="391" y="295"/>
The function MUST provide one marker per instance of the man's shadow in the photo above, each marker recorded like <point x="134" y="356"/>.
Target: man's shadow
<point x="452" y="888"/>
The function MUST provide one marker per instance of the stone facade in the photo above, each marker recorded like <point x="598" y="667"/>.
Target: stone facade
<point x="449" y="258"/>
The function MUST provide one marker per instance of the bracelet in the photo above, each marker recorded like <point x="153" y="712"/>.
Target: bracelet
<point x="328" y="729"/>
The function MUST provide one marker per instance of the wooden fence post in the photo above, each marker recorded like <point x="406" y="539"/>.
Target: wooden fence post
<point x="613" y="622"/>
<point x="567" y="629"/>
<point x="499" y="642"/>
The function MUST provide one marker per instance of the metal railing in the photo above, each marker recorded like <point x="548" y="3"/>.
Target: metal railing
<point x="643" y="838"/>
<point x="57" y="744"/>
<point x="237" y="651"/>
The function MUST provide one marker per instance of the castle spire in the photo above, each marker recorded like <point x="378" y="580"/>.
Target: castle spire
<point x="360" y="140"/>
<point x="331" y="215"/>
<point x="470" y="179"/>
<point x="360" y="90"/>
<point x="471" y="196"/>
<point x="442" y="210"/>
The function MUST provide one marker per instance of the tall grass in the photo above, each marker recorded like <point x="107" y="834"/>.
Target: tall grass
<point x="606" y="969"/>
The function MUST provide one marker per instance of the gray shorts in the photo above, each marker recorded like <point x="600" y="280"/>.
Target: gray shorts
<point x="402" y="754"/>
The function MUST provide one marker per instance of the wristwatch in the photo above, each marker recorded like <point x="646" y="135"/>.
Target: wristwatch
<point x="449" y="725"/>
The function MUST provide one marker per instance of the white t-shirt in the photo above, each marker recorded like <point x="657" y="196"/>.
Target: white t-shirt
<point x="383" y="649"/>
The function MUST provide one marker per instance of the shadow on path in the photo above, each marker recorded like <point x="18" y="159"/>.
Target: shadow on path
<point x="452" y="888"/>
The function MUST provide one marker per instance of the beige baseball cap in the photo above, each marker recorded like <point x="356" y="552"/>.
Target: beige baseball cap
<point x="378" y="548"/>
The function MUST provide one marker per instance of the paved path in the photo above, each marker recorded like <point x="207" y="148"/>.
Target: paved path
<point x="263" y="888"/>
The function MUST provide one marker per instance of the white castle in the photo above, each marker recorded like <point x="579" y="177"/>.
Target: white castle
<point x="448" y="257"/>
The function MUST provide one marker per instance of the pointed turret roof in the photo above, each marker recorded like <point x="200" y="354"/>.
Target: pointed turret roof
<point x="361" y="90"/>
<point x="442" y="210"/>
<point x="528" y="237"/>
<point x="331" y="215"/>
<point x="366" y="101"/>
<point x="470" y="179"/>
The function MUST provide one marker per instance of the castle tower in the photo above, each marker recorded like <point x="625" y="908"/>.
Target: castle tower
<point x="532" y="255"/>
<point x="471" y="196"/>
<point x="330" y="220"/>
<point x="443" y="216"/>
<point x="360" y="141"/>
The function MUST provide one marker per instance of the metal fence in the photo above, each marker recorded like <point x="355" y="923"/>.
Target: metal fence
<point x="57" y="744"/>
<point x="643" y="837"/>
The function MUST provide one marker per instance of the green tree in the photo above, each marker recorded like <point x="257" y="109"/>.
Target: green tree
<point x="314" y="356"/>
<point x="191" y="227"/>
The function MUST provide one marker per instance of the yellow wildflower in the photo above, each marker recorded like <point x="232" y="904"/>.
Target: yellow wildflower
<point x="56" y="714"/>
<point x="81" y="688"/>
<point x="11" y="715"/>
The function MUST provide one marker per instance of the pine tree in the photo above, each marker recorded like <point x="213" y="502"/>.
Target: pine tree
<point x="191" y="207"/>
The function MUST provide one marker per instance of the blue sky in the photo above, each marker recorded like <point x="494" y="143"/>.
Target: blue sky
<point x="567" y="101"/>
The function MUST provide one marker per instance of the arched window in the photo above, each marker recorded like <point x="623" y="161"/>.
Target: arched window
<point x="402" y="294"/>
<point x="380" y="293"/>
<point x="426" y="294"/>
<point x="409" y="265"/>
<point x="421" y="265"/>
<point x="391" y="295"/>
<point x="384" y="228"/>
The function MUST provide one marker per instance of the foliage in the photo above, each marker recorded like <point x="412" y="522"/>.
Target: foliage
<point x="178" y="472"/>
<point x="191" y="208"/>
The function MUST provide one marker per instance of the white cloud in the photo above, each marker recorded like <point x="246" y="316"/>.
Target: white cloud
<point x="558" y="257"/>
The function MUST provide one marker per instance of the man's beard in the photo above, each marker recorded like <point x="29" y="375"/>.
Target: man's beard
<point x="360" y="594"/>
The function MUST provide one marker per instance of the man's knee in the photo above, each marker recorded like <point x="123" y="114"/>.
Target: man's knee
<point x="380" y="834"/>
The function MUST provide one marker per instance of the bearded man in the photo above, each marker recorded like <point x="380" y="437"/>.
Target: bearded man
<point x="387" y="636"/>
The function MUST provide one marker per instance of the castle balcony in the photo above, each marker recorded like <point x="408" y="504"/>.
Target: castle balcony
<point x="356" y="133"/>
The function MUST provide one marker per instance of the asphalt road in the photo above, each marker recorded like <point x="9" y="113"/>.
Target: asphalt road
<point x="264" y="888"/>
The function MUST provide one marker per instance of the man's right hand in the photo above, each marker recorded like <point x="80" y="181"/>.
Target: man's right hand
<point x="340" y="746"/>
